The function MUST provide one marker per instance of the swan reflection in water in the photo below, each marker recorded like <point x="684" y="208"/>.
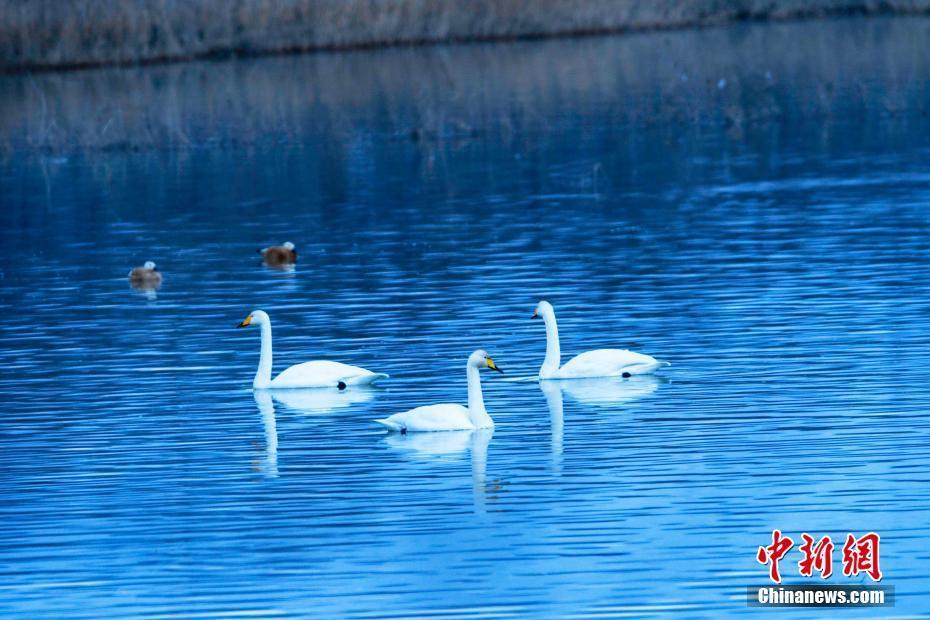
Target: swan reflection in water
<point x="450" y="445"/>
<point x="269" y="464"/>
<point x="601" y="392"/>
<point x="553" y="393"/>
<point x="320" y="400"/>
<point x="609" y="391"/>
<point x="309" y="401"/>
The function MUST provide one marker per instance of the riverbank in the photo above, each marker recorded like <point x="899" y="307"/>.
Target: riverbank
<point x="45" y="34"/>
<point x="448" y="99"/>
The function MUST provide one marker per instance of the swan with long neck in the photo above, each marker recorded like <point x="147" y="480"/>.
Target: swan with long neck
<point x="315" y="374"/>
<point x="596" y="363"/>
<point x="450" y="417"/>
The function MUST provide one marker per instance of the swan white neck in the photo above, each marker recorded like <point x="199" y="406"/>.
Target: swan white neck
<point x="476" y="411"/>
<point x="263" y="376"/>
<point x="553" y="353"/>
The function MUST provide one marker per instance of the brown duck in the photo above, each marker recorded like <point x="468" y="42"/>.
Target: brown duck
<point x="147" y="275"/>
<point x="279" y="255"/>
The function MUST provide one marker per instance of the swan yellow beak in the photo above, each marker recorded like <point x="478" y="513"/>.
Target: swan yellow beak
<point x="246" y="321"/>
<point x="493" y="366"/>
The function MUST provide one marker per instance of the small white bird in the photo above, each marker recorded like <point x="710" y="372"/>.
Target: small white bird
<point x="316" y="374"/>
<point x="450" y="417"/>
<point x="146" y="276"/>
<point x="597" y="363"/>
<point x="279" y="255"/>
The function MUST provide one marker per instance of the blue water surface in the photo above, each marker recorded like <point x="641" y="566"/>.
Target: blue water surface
<point x="749" y="203"/>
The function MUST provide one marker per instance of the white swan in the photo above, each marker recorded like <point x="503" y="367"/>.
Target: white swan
<point x="449" y="417"/>
<point x="597" y="363"/>
<point x="315" y="374"/>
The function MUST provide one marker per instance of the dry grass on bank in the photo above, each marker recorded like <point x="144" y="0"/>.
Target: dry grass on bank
<point x="55" y="33"/>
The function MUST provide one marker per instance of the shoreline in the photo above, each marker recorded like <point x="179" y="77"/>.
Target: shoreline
<point x="45" y="36"/>
<point x="754" y="78"/>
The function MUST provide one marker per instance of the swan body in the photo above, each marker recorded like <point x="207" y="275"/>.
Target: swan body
<point x="607" y="363"/>
<point x="315" y="374"/>
<point x="596" y="363"/>
<point x="323" y="373"/>
<point x="450" y="417"/>
<point x="446" y="417"/>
